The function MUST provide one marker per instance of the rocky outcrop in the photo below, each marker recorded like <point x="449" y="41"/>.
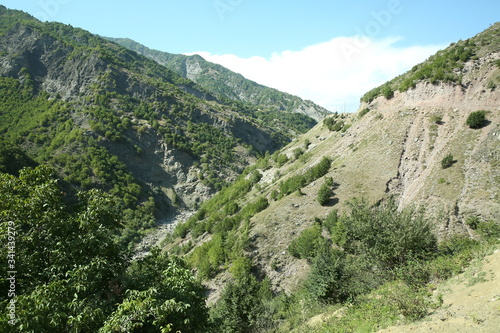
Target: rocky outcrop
<point x="46" y="59"/>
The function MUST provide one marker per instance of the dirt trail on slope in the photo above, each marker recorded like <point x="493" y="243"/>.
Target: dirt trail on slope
<point x="471" y="303"/>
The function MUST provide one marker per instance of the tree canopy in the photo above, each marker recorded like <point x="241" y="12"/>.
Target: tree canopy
<point x="71" y="273"/>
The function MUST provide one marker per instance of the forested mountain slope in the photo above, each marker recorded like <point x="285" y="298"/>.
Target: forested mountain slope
<point x="223" y="82"/>
<point x="106" y="117"/>
<point x="117" y="142"/>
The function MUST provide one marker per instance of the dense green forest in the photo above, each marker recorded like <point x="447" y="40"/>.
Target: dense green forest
<point x="45" y="129"/>
<point x="72" y="275"/>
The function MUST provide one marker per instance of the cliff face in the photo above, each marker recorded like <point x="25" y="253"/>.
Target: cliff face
<point x="46" y="59"/>
<point x="471" y="185"/>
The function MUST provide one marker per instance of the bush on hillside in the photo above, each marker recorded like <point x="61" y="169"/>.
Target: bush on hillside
<point x="324" y="194"/>
<point x="476" y="119"/>
<point x="242" y="305"/>
<point x="306" y="245"/>
<point x="297" y="152"/>
<point x="325" y="282"/>
<point x="296" y="182"/>
<point x="437" y="119"/>
<point x="387" y="235"/>
<point x="447" y="161"/>
<point x="363" y="112"/>
<point x="333" y="124"/>
<point x="387" y="92"/>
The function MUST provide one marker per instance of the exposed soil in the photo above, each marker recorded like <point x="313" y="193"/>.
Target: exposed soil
<point x="471" y="302"/>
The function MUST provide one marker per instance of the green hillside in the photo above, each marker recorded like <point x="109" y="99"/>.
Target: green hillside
<point x="444" y="67"/>
<point x="98" y="112"/>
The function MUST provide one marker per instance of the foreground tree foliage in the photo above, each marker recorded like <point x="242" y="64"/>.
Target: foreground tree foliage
<point x="72" y="274"/>
<point x="162" y="296"/>
<point x="370" y="243"/>
<point x="242" y="307"/>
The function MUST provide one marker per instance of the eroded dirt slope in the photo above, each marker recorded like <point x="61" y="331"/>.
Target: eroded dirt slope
<point x="471" y="302"/>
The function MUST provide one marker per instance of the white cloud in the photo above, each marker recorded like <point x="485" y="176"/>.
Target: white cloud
<point x="331" y="73"/>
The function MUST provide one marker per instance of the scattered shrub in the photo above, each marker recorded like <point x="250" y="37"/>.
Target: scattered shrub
<point x="456" y="244"/>
<point x="281" y="159"/>
<point x="386" y="234"/>
<point x="274" y="195"/>
<point x="231" y="208"/>
<point x="476" y="119"/>
<point x="297" y="152"/>
<point x="363" y="112"/>
<point x="489" y="230"/>
<point x="333" y="124"/>
<point x="324" y="194"/>
<point x="241" y="307"/>
<point x="295" y="183"/>
<point x="442" y="181"/>
<point x="307" y="142"/>
<point x="472" y="222"/>
<point x="306" y="245"/>
<point x="387" y="92"/>
<point x="447" y="161"/>
<point x="241" y="267"/>
<point x="325" y="282"/>
<point x="371" y="95"/>
<point x="255" y="177"/>
<point x="437" y="119"/>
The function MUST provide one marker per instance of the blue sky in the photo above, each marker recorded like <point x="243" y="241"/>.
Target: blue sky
<point x="327" y="51"/>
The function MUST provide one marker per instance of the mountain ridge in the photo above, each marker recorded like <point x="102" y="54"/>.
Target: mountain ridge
<point x="227" y="83"/>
